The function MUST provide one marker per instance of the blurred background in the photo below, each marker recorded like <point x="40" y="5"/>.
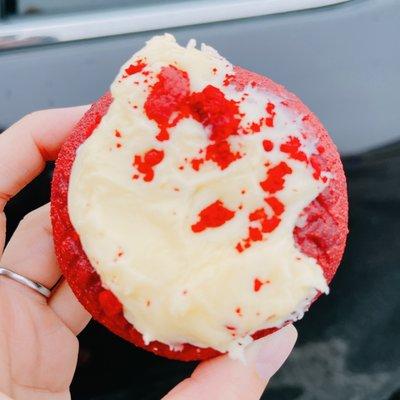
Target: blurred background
<point x="342" y="57"/>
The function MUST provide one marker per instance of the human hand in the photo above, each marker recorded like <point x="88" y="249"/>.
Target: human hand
<point x="38" y="345"/>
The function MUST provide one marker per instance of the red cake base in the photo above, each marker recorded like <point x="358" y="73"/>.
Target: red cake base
<point x="323" y="236"/>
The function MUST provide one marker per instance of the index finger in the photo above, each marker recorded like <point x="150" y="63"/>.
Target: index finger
<point x="224" y="378"/>
<point x="28" y="144"/>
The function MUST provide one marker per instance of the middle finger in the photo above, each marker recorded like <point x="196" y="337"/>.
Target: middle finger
<point x="30" y="251"/>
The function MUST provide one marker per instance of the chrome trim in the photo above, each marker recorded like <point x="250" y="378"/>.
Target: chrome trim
<point x="33" y="31"/>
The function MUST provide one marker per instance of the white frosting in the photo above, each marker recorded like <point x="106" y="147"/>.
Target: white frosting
<point x="177" y="286"/>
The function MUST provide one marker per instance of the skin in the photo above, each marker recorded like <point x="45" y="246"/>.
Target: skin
<point x="38" y="344"/>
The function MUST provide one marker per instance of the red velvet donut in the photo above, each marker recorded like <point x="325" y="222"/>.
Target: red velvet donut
<point x="322" y="237"/>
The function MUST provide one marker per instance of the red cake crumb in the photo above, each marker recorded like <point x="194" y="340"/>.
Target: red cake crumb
<point x="214" y="215"/>
<point x="135" y="68"/>
<point x="145" y="164"/>
<point x="268" y="145"/>
<point x="167" y="96"/>
<point x="171" y="96"/>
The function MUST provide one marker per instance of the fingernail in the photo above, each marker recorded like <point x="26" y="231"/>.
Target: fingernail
<point x="268" y="354"/>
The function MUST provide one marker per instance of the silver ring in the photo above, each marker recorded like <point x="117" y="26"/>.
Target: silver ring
<point x="25" y="281"/>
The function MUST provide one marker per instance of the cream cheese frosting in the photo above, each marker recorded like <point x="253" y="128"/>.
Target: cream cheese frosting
<point x="197" y="248"/>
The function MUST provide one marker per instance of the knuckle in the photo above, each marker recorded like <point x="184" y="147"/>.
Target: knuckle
<point x="38" y="217"/>
<point x="28" y="118"/>
<point x="27" y="219"/>
<point x="31" y="217"/>
<point x="32" y="117"/>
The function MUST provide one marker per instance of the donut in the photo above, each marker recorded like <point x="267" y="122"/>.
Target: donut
<point x="197" y="206"/>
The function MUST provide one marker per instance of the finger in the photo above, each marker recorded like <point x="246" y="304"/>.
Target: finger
<point x="30" y="251"/>
<point x="2" y="231"/>
<point x="224" y="378"/>
<point x="67" y="307"/>
<point x="28" y="144"/>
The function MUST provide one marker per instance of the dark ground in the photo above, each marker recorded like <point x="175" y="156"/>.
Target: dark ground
<point x="348" y="346"/>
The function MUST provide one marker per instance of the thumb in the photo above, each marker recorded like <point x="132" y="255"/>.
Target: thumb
<point x="224" y="378"/>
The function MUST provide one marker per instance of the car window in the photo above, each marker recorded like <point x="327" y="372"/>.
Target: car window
<point x="24" y="7"/>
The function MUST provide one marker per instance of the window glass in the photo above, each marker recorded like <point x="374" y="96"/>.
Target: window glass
<point x="62" y="6"/>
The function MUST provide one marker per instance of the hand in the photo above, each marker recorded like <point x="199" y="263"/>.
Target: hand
<point x="38" y="345"/>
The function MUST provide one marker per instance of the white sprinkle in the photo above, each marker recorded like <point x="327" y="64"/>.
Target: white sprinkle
<point x="147" y="339"/>
<point x="326" y="174"/>
<point x="301" y="221"/>
<point x="176" y="347"/>
<point x="191" y="44"/>
<point x="309" y="146"/>
<point x="236" y="348"/>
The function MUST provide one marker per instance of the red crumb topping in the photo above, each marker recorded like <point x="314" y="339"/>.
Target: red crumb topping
<point x="317" y="168"/>
<point x="292" y="147"/>
<point x="232" y="330"/>
<point x="170" y="97"/>
<point x="277" y="207"/>
<point x="275" y="178"/>
<point x="255" y="127"/>
<point x="238" y="311"/>
<point x="213" y="216"/>
<point x="269" y="121"/>
<point x="261" y="223"/>
<point x="221" y="154"/>
<point x="135" y="68"/>
<point x="109" y="303"/>
<point x="145" y="164"/>
<point x="166" y="97"/>
<point x="239" y="247"/>
<point x="268" y="145"/>
<point x="228" y="79"/>
<point x="258" y="284"/>
<point x="213" y="110"/>
<point x="170" y="100"/>
<point x="196" y="162"/>
<point x="117" y="133"/>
